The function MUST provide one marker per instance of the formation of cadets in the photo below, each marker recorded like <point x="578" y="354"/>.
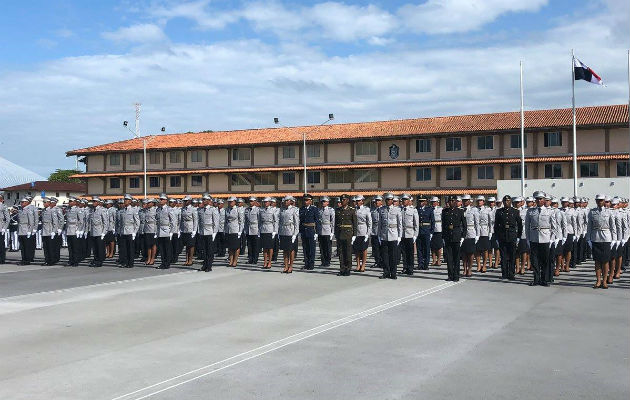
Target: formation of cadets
<point x="542" y="234"/>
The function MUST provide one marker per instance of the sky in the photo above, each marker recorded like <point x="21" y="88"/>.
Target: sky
<point x="71" y="71"/>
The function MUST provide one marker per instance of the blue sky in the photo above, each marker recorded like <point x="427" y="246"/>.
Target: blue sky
<point x="70" y="71"/>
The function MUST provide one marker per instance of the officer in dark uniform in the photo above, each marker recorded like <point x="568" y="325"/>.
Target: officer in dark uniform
<point x="427" y="226"/>
<point x="309" y="226"/>
<point x="453" y="225"/>
<point x="508" y="228"/>
<point x="346" y="233"/>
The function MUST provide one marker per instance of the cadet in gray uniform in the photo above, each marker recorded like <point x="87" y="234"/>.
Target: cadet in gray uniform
<point x="139" y="242"/>
<point x="51" y="226"/>
<point x="252" y="231"/>
<point x="377" y="202"/>
<point x="26" y="229"/>
<point x="390" y="230"/>
<point x="72" y="230"/>
<point x="276" y="242"/>
<point x="220" y="240"/>
<point x="437" y="243"/>
<point x="243" y="238"/>
<point x="411" y="229"/>
<point x="486" y="228"/>
<point x="189" y="224"/>
<point x="364" y="229"/>
<point x="5" y="220"/>
<point x="208" y="228"/>
<point x="110" y="235"/>
<point x="234" y="225"/>
<point x="288" y="229"/>
<point x="176" y="240"/>
<point x="98" y="223"/>
<point x="30" y="207"/>
<point x="600" y="233"/>
<point x="326" y="231"/>
<point x="150" y="231"/>
<point x="539" y="223"/>
<point x="268" y="224"/>
<point x="59" y="223"/>
<point x="471" y="235"/>
<point x="165" y="220"/>
<point x="129" y="225"/>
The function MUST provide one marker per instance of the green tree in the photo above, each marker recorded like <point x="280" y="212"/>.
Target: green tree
<point x="63" y="175"/>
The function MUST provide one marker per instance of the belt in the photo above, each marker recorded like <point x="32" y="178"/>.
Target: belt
<point x="393" y="225"/>
<point x="345" y="226"/>
<point x="426" y="223"/>
<point x="308" y="224"/>
<point x="327" y="223"/>
<point x="601" y="229"/>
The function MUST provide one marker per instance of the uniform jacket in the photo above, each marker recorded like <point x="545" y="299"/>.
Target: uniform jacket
<point x="129" y="221"/>
<point x="508" y="225"/>
<point x="326" y="221"/>
<point x="5" y="218"/>
<point x="539" y="224"/>
<point x="150" y="220"/>
<point x="112" y="220"/>
<point x="411" y="222"/>
<point x="252" y="220"/>
<point x="426" y="219"/>
<point x="453" y="224"/>
<point x="165" y="221"/>
<point x="390" y="225"/>
<point x="26" y="221"/>
<point x="221" y="219"/>
<point x="98" y="221"/>
<point x="234" y="221"/>
<point x="268" y="220"/>
<point x="472" y="223"/>
<point x="437" y="217"/>
<point x="72" y="221"/>
<point x="189" y="219"/>
<point x="485" y="221"/>
<point x="289" y="221"/>
<point x="209" y="220"/>
<point x="364" y="221"/>
<point x="601" y="226"/>
<point x="345" y="223"/>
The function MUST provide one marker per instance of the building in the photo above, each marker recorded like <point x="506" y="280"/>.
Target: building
<point x="39" y="189"/>
<point x="438" y="156"/>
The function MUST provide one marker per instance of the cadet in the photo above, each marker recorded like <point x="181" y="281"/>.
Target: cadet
<point x="48" y="231"/>
<point x="427" y="227"/>
<point x="30" y="207"/>
<point x="220" y="240"/>
<point x="483" y="246"/>
<point x="176" y="240"/>
<point x="72" y="230"/>
<point x="309" y="226"/>
<point x="377" y="202"/>
<point x="268" y="224"/>
<point x="571" y="228"/>
<point x="411" y="228"/>
<point x="129" y="222"/>
<point x="559" y="239"/>
<point x="471" y="235"/>
<point x="453" y="226"/>
<point x="326" y="231"/>
<point x="234" y="225"/>
<point x="437" y="243"/>
<point x="508" y="229"/>
<point x="189" y="223"/>
<point x="165" y="224"/>
<point x="539" y="223"/>
<point x="208" y="227"/>
<point x="390" y="229"/>
<point x="26" y="228"/>
<point x="59" y="220"/>
<point x="346" y="233"/>
<point x="276" y="243"/>
<point x="139" y="242"/>
<point x="600" y="233"/>
<point x="495" y="256"/>
<point x="288" y="229"/>
<point x="5" y="220"/>
<point x="243" y="238"/>
<point x="364" y="229"/>
<point x="150" y="231"/>
<point x="98" y="223"/>
<point x="252" y="231"/>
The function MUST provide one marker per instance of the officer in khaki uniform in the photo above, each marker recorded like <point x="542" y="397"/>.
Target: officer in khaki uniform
<point x="345" y="232"/>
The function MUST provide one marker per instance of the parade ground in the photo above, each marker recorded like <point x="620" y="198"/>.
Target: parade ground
<point x="244" y="333"/>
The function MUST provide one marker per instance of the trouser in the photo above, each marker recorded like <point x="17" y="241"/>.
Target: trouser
<point x="390" y="253"/>
<point x="539" y="260"/>
<point x="176" y="244"/>
<point x="56" y="248"/>
<point x="423" y="246"/>
<point x="200" y="247"/>
<point x="25" y="248"/>
<point x="220" y="244"/>
<point x="308" y="248"/>
<point x="126" y="250"/>
<point x="407" y="246"/>
<point x="582" y="251"/>
<point x="243" y="243"/>
<point x="276" y="244"/>
<point x="49" y="251"/>
<point x="344" y="247"/>
<point x="376" y="252"/>
<point x="325" y="249"/>
<point x="139" y="246"/>
<point x="573" y="253"/>
<point x="31" y="248"/>
<point x="166" y="251"/>
<point x="451" y="256"/>
<point x="3" y="248"/>
<point x="253" y="249"/>
<point x="508" y="252"/>
<point x="98" y="249"/>
<point x="209" y="250"/>
<point x="73" y="249"/>
<point x="551" y="262"/>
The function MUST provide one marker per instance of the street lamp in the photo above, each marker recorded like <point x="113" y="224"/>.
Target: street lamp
<point x="276" y="121"/>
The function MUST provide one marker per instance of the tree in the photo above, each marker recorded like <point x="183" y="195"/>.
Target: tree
<point x="63" y="175"/>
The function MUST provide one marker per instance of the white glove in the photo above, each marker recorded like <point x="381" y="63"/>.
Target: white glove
<point x="398" y="241"/>
<point x="133" y="237"/>
<point x="170" y="236"/>
<point x="476" y="239"/>
<point x="332" y="237"/>
<point x="273" y="235"/>
<point x="430" y="236"/>
<point x="461" y="241"/>
<point x="239" y="235"/>
<point x="498" y="242"/>
<point x="293" y="238"/>
<point x="575" y="238"/>
<point x="28" y="235"/>
<point x="366" y="238"/>
<point x="155" y="236"/>
<point x="79" y="233"/>
<point x="193" y="234"/>
<point x="102" y="236"/>
<point x="315" y="236"/>
<point x="114" y="232"/>
<point x="214" y="235"/>
<point x="353" y="238"/>
<point x="590" y="244"/>
<point x="379" y="241"/>
<point x="52" y="236"/>
<point x="414" y="238"/>
<point x="58" y="231"/>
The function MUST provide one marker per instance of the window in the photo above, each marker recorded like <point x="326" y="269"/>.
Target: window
<point x="553" y="139"/>
<point x="114" y="159"/>
<point x="241" y="154"/>
<point x="313" y="177"/>
<point x="515" y="141"/>
<point x="176" y="181"/>
<point x="365" y="149"/>
<point x="313" y="151"/>
<point x="453" y="144"/>
<point x="453" y="173"/>
<point x="365" y="176"/>
<point x="154" y="158"/>
<point x="134" y="183"/>
<point x="134" y="159"/>
<point x="175" y="157"/>
<point x="288" y="152"/>
<point x="57" y="194"/>
<point x="485" y="172"/>
<point x="196" y="180"/>
<point x="196" y="156"/>
<point x="515" y="171"/>
<point x="623" y="168"/>
<point x="423" y="174"/>
<point x="240" y="180"/>
<point x="114" y="183"/>
<point x="589" y="169"/>
<point x="423" y="145"/>
<point x="264" y="179"/>
<point x="343" y="176"/>
<point x="553" y="171"/>
<point x="485" y="142"/>
<point x="288" y="178"/>
<point x="154" y="181"/>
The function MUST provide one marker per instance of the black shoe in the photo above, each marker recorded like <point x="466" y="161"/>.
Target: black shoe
<point x="545" y="284"/>
<point x="383" y="276"/>
<point x="532" y="283"/>
<point x="340" y="273"/>
<point x="394" y="277"/>
<point x="208" y="269"/>
<point x="448" y="279"/>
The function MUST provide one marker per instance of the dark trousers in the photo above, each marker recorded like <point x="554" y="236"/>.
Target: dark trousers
<point x="243" y="243"/>
<point x="253" y="249"/>
<point x="3" y="250"/>
<point x="177" y="248"/>
<point x="139" y="247"/>
<point x="126" y="250"/>
<point x="390" y="253"/>
<point x="376" y="252"/>
<point x="539" y="259"/>
<point x="220" y="244"/>
<point x="199" y="247"/>
<point x="57" y="242"/>
<point x="276" y="244"/>
<point x="423" y="246"/>
<point x="344" y="248"/>
<point x="98" y="249"/>
<point x="551" y="263"/>
<point x="308" y="248"/>
<point x="166" y="251"/>
<point x="325" y="249"/>
<point x="25" y="244"/>
<point x="73" y="248"/>
<point x="31" y="248"/>
<point x="48" y="246"/>
<point x="208" y="250"/>
<point x="451" y="256"/>
<point x="581" y="250"/>
<point x="508" y="253"/>
<point x="407" y="246"/>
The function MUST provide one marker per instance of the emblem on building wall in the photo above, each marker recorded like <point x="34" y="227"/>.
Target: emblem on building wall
<point x="394" y="151"/>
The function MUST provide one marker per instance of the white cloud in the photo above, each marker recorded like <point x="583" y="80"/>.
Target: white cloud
<point x="197" y="11"/>
<point x="141" y="33"/>
<point x="347" y="23"/>
<point x="452" y="16"/>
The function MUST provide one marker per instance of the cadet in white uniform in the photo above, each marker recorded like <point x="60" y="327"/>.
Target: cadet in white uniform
<point x="411" y="229"/>
<point x="486" y="228"/>
<point x="437" y="243"/>
<point x="234" y="226"/>
<point x="127" y="231"/>
<point x="326" y="231"/>
<point x="600" y="234"/>
<point x="288" y="229"/>
<point x="364" y="228"/>
<point x="471" y="235"/>
<point x="268" y="224"/>
<point x="539" y="223"/>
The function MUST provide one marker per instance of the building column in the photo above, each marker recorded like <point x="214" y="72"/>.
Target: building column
<point x="501" y="145"/>
<point x="438" y="173"/>
<point x="468" y="146"/>
<point x="607" y="140"/>
<point x="469" y="175"/>
<point x="438" y="143"/>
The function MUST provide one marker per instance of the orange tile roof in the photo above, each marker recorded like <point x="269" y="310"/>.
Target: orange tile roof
<point x="586" y="116"/>
<point x="428" y="163"/>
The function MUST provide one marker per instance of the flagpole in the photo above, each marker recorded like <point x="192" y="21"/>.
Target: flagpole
<point x="522" y="138"/>
<point x="574" y="129"/>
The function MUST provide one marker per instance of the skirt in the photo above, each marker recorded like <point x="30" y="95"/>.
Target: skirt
<point x="468" y="247"/>
<point x="523" y="247"/>
<point x="149" y="239"/>
<point x="286" y="243"/>
<point x="601" y="251"/>
<point x="483" y="244"/>
<point x="436" y="241"/>
<point x="568" y="245"/>
<point x="109" y="237"/>
<point x="266" y="241"/>
<point x="615" y="252"/>
<point x="232" y="241"/>
<point x="187" y="239"/>
<point x="359" y="245"/>
<point x="494" y="242"/>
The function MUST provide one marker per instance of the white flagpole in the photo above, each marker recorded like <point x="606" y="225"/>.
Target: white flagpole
<point x="522" y="138"/>
<point x="574" y="129"/>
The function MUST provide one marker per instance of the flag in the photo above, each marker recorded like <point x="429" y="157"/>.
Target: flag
<point x="585" y="73"/>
